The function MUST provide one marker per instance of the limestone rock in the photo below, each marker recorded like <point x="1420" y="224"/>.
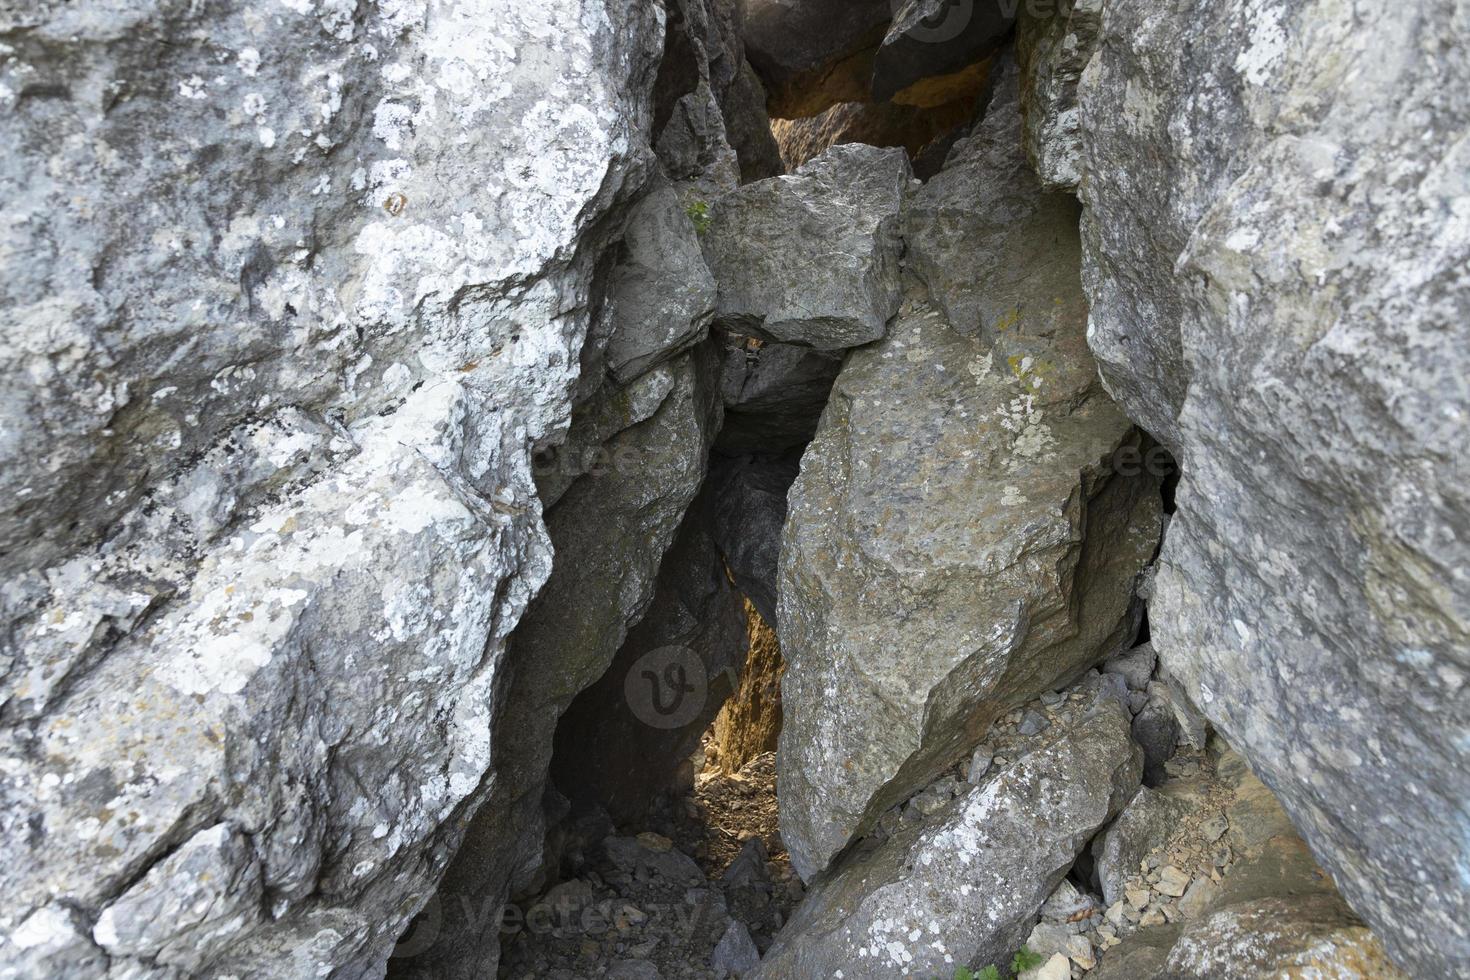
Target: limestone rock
<point x="992" y="247"/>
<point x="289" y="295"/>
<point x="736" y="954"/>
<point x="937" y="37"/>
<point x="746" y="509"/>
<point x="1289" y="258"/>
<point x="1145" y="824"/>
<point x="749" y="724"/>
<point x="965" y="889"/>
<point x="812" y="258"/>
<point x="957" y="488"/>
<point x="1135" y="666"/>
<point x="814" y="53"/>
<point x="1053" y="45"/>
<point x="774" y="395"/>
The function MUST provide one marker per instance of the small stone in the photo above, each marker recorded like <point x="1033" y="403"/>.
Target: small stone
<point x="1116" y="914"/>
<point x="1051" y="698"/>
<point x="1222" y="856"/>
<point x="736" y="952"/>
<point x="1172" y="881"/>
<point x="1033" y="723"/>
<point x="1197" y="899"/>
<point x="1153" y="917"/>
<point x="980" y="762"/>
<point x="1079" y="951"/>
<point x="1056" y="968"/>
<point x="1137" y="897"/>
<point x="657" y="843"/>
<point x="1214" y="828"/>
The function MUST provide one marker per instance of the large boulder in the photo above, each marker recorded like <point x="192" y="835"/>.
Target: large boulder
<point x="812" y="258"/>
<point x="1279" y="272"/>
<point x="937" y="37"/>
<point x="812" y="54"/>
<point x="774" y="395"/>
<point x="965" y="889"/>
<point x="746" y="509"/>
<point x="1053" y="46"/>
<point x="958" y="541"/>
<point x="289" y="296"/>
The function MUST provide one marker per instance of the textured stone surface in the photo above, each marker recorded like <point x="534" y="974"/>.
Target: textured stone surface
<point x="936" y="37"/>
<point x="1053" y="45"/>
<point x="749" y="724"/>
<point x="610" y="531"/>
<point x="813" y="54"/>
<point x="877" y="124"/>
<point x="988" y="243"/>
<point x="288" y="295"/>
<point x="957" y="540"/>
<point x="812" y="258"/>
<point x="774" y="395"/>
<point x="746" y="510"/>
<point x="967" y="888"/>
<point x="1279" y="267"/>
<point x="1145" y="823"/>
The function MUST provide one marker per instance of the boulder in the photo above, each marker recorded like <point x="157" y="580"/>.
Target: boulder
<point x="289" y="295"/>
<point x="1145" y="824"/>
<point x="992" y="247"/>
<point x="746" y="509"/>
<point x="957" y="542"/>
<point x="812" y="258"/>
<point x="877" y="124"/>
<point x="1280" y="293"/>
<point x="735" y="955"/>
<point x="937" y="37"/>
<point x="1157" y="733"/>
<point x="814" y="53"/>
<point x="966" y="887"/>
<point x="774" y="395"/>
<point x="1053" y="46"/>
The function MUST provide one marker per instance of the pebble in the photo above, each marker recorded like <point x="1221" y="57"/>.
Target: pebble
<point x="1137" y="897"/>
<point x="1053" y="697"/>
<point x="1172" y="881"/>
<point x="980" y="763"/>
<point x="1153" y="917"/>
<point x="1033" y="723"/>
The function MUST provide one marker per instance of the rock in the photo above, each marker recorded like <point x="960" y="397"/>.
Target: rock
<point x="1033" y="723"/>
<point x="774" y="395"/>
<point x="749" y="866"/>
<point x="926" y="565"/>
<point x="1053" y="46"/>
<point x="1136" y="666"/>
<point x="936" y="37"/>
<point x="913" y="127"/>
<point x="736" y="953"/>
<point x="812" y="258"/>
<point x="745" y="508"/>
<point x="1314" y="934"/>
<point x="287" y="343"/>
<point x="813" y="54"/>
<point x="1288" y="259"/>
<point x="969" y="885"/>
<point x="980" y="761"/>
<point x="1157" y="732"/>
<point x="661" y="297"/>
<point x="634" y="856"/>
<point x="1198" y="898"/>
<point x="1065" y="903"/>
<point x="749" y="724"/>
<point x="1048" y="938"/>
<point x="1144" y="825"/>
<point x="994" y="250"/>
<point x="1172" y="881"/>
<point x="621" y="741"/>
<point x="1055" y="968"/>
<point x="1140" y="956"/>
<point x="1214" y="827"/>
<point x="633" y="970"/>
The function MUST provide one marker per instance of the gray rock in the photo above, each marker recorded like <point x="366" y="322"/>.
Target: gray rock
<point x="735" y="954"/>
<point x="997" y="253"/>
<point x="774" y="395"/>
<point x="812" y="258"/>
<point x="1135" y="666"/>
<point x="661" y="298"/>
<point x="1053" y="46"/>
<point x="980" y="761"/>
<point x="749" y="866"/>
<point x="745" y="508"/>
<point x="286" y="343"/>
<point x="1157" y="732"/>
<point x="1033" y="723"/>
<point x="634" y="856"/>
<point x="935" y="37"/>
<point x="932" y="543"/>
<point x="813" y="54"/>
<point x="1289" y="259"/>
<point x="967" y="888"/>
<point x="1140" y="956"/>
<point x="1146" y="823"/>
<point x="633" y="970"/>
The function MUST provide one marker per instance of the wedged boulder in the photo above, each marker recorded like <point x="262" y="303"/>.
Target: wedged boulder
<point x="774" y="395"/>
<point x="746" y="509"/>
<point x="958" y="541"/>
<point x="660" y="298"/>
<point x="610" y="530"/>
<point x="814" y="53"/>
<point x="1271" y="229"/>
<point x="1144" y="825"/>
<point x="275" y="348"/>
<point x="937" y="37"/>
<point x="812" y="258"/>
<point x="965" y="889"/>
<point x="1053" y="45"/>
<point x="622" y="740"/>
<point x="991" y="246"/>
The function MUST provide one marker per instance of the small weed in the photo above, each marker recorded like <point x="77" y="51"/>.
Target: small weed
<point x="1025" y="960"/>
<point x="698" y="212"/>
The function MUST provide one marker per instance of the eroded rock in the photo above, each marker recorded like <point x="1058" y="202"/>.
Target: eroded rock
<point x="1053" y="45"/>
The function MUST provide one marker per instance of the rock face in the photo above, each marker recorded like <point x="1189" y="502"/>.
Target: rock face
<point x="286" y="340"/>
<point x="934" y="37"/>
<point x="1144" y="823"/>
<point x="966" y="889"/>
<point x="957" y="541"/>
<point x="813" y="54"/>
<point x="746" y="509"/>
<point x="1280" y="292"/>
<point x="813" y="258"/>
<point x="774" y="395"/>
<point x="1053" y="47"/>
